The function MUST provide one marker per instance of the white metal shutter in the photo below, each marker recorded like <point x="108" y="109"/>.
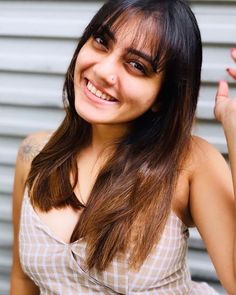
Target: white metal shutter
<point x="37" y="39"/>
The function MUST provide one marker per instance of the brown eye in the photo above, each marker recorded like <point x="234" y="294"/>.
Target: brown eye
<point x="100" y="40"/>
<point x="138" y="66"/>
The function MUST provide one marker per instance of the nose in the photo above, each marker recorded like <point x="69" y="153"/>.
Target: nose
<point x="105" y="71"/>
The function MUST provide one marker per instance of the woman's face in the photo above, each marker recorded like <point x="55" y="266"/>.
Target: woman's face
<point x="114" y="82"/>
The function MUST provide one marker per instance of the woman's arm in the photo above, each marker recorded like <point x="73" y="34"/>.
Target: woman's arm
<point x="212" y="198"/>
<point x="225" y="112"/>
<point x="211" y="205"/>
<point x="21" y="284"/>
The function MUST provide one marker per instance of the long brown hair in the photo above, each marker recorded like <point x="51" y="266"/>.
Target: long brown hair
<point x="136" y="185"/>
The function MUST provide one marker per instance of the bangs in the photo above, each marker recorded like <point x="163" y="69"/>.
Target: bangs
<point x="147" y="30"/>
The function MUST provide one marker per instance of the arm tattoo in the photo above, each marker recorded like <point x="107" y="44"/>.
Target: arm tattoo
<point x="29" y="149"/>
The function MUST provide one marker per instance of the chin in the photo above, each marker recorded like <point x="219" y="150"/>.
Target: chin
<point x="89" y="119"/>
<point x="89" y="115"/>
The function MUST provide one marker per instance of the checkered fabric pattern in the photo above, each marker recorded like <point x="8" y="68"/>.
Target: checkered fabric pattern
<point x="59" y="268"/>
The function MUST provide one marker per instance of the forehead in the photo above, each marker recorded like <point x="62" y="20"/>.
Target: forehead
<point x="136" y="31"/>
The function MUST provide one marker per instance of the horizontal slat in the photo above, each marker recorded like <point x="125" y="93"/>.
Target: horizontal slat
<point x="216" y="20"/>
<point x="7" y="154"/>
<point x="209" y="128"/>
<point x="4" y="285"/>
<point x="215" y="72"/>
<point x="6" y="237"/>
<point x="217" y="55"/>
<point x="69" y="7"/>
<point x="37" y="46"/>
<point x="31" y="81"/>
<point x="28" y="120"/>
<point x="46" y="19"/>
<point x="205" y="110"/>
<point x="34" y="64"/>
<point x="215" y="62"/>
<point x="8" y="149"/>
<point x="6" y="179"/>
<point x="31" y="89"/>
<point x="213" y="133"/>
<point x="5" y="208"/>
<point x="5" y="262"/>
<point x="29" y="97"/>
<point x="210" y="8"/>
<point x="195" y="241"/>
<point x="31" y="27"/>
<point x="208" y="91"/>
<point x="201" y="266"/>
<point x="52" y="56"/>
<point x="219" y="34"/>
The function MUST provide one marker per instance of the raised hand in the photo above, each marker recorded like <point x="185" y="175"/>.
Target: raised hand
<point x="231" y="71"/>
<point x="225" y="106"/>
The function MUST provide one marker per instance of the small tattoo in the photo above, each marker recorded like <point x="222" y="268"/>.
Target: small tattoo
<point x="29" y="149"/>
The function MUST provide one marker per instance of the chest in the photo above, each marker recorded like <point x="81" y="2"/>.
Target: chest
<point x="60" y="221"/>
<point x="63" y="221"/>
<point x="44" y="257"/>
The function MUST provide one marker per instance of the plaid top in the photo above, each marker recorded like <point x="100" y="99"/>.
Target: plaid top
<point x="59" y="268"/>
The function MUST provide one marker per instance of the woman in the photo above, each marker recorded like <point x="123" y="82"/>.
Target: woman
<point x="112" y="192"/>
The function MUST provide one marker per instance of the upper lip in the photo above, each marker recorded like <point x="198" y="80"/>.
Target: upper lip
<point x="101" y="89"/>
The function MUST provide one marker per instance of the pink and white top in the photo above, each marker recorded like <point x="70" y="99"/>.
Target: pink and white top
<point x="59" y="268"/>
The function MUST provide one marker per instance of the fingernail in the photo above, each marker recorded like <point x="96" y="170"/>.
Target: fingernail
<point x="228" y="70"/>
<point x="233" y="49"/>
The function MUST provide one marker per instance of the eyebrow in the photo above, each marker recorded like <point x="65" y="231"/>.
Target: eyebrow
<point x="143" y="55"/>
<point x="106" y="30"/>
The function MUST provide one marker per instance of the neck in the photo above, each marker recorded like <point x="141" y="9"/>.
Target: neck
<point x="105" y="136"/>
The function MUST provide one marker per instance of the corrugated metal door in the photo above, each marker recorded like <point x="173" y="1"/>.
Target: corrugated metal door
<point x="37" y="39"/>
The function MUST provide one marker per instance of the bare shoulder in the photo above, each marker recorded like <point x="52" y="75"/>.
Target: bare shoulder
<point x="200" y="146"/>
<point x="204" y="155"/>
<point x="32" y="145"/>
<point x="210" y="173"/>
<point x="29" y="148"/>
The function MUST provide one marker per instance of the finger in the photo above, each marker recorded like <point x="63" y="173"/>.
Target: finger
<point x="223" y="90"/>
<point x="233" y="53"/>
<point x="231" y="72"/>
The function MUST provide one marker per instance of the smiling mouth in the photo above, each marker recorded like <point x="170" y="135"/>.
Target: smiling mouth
<point x="98" y="93"/>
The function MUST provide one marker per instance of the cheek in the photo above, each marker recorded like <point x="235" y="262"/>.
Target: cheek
<point x="84" y="60"/>
<point x="142" y="94"/>
<point x="80" y="63"/>
<point x="150" y="92"/>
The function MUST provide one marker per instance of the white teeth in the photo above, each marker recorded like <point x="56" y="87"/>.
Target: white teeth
<point x="93" y="90"/>
<point x="98" y="93"/>
<point x="89" y="86"/>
